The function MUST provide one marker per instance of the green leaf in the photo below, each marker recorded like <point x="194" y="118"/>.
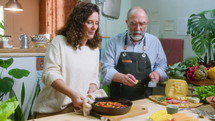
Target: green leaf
<point x="204" y="91"/>
<point x="18" y="73"/>
<point x="37" y="90"/>
<point x="2" y="24"/>
<point x="6" y="84"/>
<point x="18" y="115"/>
<point x="191" y="61"/>
<point x="7" y="108"/>
<point x="12" y="94"/>
<point x="22" y="93"/>
<point x="201" y="27"/>
<point x="199" y="46"/>
<point x="6" y="63"/>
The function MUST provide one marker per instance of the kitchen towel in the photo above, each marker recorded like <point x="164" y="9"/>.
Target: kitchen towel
<point x="90" y="99"/>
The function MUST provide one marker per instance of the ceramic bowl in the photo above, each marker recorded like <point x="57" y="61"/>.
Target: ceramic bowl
<point x="40" y="38"/>
<point x="209" y="99"/>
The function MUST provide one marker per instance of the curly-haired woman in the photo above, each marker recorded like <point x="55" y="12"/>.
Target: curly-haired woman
<point x="71" y="68"/>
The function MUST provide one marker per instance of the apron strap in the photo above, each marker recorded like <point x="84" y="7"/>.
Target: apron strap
<point x="144" y="44"/>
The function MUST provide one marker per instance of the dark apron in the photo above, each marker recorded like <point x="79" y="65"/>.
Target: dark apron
<point x="137" y="64"/>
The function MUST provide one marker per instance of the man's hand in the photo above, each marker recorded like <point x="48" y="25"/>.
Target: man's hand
<point x="128" y="79"/>
<point x="154" y="76"/>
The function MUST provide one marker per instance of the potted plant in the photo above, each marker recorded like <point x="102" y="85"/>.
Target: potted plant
<point x="7" y="82"/>
<point x="201" y="27"/>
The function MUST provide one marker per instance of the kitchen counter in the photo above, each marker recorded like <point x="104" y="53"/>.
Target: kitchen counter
<point x="145" y="103"/>
<point x="17" y="52"/>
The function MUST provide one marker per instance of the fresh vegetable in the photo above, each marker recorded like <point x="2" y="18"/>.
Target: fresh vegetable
<point x="169" y="98"/>
<point x="196" y="73"/>
<point x="190" y="73"/>
<point x="204" y="91"/>
<point x="7" y="108"/>
<point x="211" y="73"/>
<point x="178" y="70"/>
<point x="201" y="73"/>
<point x="191" y="61"/>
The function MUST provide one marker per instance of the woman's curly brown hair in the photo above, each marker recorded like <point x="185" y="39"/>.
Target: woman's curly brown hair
<point x="73" y="29"/>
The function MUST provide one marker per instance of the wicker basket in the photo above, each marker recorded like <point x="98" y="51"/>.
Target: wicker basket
<point x="202" y="82"/>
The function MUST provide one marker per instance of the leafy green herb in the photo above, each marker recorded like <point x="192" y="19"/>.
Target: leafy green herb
<point x="161" y="99"/>
<point x="204" y="91"/>
<point x="178" y="70"/>
<point x="191" y="61"/>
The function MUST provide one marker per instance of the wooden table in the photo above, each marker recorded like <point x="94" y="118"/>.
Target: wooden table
<point x="151" y="106"/>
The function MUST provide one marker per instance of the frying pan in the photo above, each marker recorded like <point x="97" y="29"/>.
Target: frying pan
<point x="109" y="110"/>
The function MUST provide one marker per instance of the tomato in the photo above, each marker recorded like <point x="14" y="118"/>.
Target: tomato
<point x="169" y="98"/>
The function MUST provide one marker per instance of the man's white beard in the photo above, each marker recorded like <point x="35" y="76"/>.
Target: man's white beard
<point x="136" y="37"/>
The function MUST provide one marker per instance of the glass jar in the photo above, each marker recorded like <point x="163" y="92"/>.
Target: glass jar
<point x="4" y="41"/>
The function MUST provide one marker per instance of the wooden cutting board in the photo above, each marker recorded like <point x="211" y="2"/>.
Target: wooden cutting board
<point x="191" y="105"/>
<point x="134" y="111"/>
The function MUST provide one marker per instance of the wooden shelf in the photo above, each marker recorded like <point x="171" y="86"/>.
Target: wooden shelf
<point x="28" y="50"/>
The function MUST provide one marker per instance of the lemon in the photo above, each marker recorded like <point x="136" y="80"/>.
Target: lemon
<point x="211" y="73"/>
<point x="155" y="116"/>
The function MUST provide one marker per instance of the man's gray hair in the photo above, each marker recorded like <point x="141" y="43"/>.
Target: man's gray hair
<point x="133" y="8"/>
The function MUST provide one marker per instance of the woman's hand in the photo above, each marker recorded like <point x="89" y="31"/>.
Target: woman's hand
<point x="77" y="98"/>
<point x="92" y="88"/>
<point x="77" y="101"/>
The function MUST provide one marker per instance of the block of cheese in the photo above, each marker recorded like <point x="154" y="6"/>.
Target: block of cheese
<point x="193" y="99"/>
<point x="176" y="88"/>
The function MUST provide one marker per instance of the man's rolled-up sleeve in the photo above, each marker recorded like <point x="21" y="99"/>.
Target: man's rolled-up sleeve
<point x="161" y="65"/>
<point x="108" y="63"/>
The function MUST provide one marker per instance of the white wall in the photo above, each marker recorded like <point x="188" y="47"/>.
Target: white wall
<point x="110" y="27"/>
<point x="160" y="12"/>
